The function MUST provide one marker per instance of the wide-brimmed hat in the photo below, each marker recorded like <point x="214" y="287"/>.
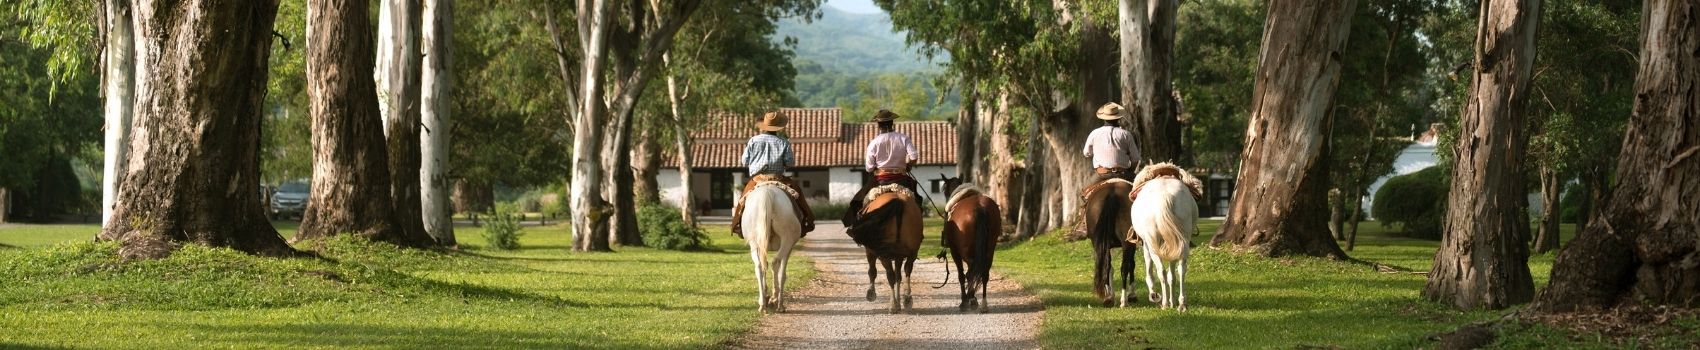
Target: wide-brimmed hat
<point x="773" y="121"/>
<point x="885" y="116"/>
<point x="1111" y="111"/>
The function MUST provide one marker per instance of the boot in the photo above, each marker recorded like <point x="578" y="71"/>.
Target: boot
<point x="738" y="219"/>
<point x="1079" y="231"/>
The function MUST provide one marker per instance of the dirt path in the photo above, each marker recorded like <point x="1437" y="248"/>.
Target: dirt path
<point x="833" y="313"/>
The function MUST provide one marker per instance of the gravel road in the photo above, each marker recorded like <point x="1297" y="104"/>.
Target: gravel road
<point x="833" y="313"/>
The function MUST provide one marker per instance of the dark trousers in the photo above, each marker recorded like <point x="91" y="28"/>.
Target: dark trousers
<point x="855" y="209"/>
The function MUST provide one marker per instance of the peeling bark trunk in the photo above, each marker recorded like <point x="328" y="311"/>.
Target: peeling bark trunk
<point x="644" y="168"/>
<point x="1336" y="215"/>
<point x="588" y="209"/>
<point x="398" y="77"/>
<point x="194" y="166"/>
<point x="1147" y="57"/>
<point x="1280" y="204"/>
<point x="682" y="140"/>
<point x="1483" y="258"/>
<point x="1546" y="239"/>
<point x="118" y="89"/>
<point x="351" y="172"/>
<point x="5" y="203"/>
<point x="1641" y="247"/>
<point x="437" y="28"/>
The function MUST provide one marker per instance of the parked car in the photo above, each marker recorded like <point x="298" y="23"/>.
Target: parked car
<point x="290" y="200"/>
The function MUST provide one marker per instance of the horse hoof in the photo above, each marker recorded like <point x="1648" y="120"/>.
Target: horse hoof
<point x="1109" y="302"/>
<point x="1181" y="308"/>
<point x="984" y="309"/>
<point x="871" y="296"/>
<point x="909" y="302"/>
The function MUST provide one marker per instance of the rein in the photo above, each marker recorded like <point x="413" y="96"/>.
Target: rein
<point x="941" y="257"/>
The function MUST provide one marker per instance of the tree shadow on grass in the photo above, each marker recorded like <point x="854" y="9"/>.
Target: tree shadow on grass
<point x="352" y="335"/>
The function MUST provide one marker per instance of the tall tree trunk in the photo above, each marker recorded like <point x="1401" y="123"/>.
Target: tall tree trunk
<point x="1641" y="247"/>
<point x="644" y="168"/>
<point x="351" y="171"/>
<point x="617" y="166"/>
<point x="1336" y="215"/>
<point x="681" y="139"/>
<point x="589" y="211"/>
<point x="1546" y="239"/>
<point x="1147" y="56"/>
<point x="118" y="88"/>
<point x="197" y="120"/>
<point x="1483" y="258"/>
<point x="398" y="77"/>
<point x="5" y="203"/>
<point x="1280" y="199"/>
<point x="1000" y="164"/>
<point x="437" y="28"/>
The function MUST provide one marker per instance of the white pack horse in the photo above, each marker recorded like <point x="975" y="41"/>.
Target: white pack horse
<point x="770" y="224"/>
<point x="1164" y="214"/>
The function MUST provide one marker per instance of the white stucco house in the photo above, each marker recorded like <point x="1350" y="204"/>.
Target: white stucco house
<point x="830" y="154"/>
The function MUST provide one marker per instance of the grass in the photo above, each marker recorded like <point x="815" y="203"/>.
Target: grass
<point x="1243" y="301"/>
<point x="55" y="294"/>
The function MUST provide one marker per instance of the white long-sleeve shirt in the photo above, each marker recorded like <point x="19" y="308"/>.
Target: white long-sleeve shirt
<point x="891" y="150"/>
<point x="1111" y="147"/>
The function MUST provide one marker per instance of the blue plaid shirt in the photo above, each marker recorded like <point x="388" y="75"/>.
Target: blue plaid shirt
<point x="768" y="154"/>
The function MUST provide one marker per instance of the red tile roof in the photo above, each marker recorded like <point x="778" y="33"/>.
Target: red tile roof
<point x="820" y="138"/>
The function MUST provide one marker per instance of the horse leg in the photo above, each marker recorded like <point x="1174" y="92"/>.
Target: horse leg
<point x="1129" y="253"/>
<point x="984" y="280"/>
<point x="1101" y="270"/>
<point x="1150" y="272"/>
<point x="891" y="280"/>
<point x="761" y="278"/>
<point x="783" y="259"/>
<point x="1166" y="275"/>
<point x="908" y="283"/>
<point x="1180" y="284"/>
<point x="964" y="285"/>
<point x="873" y="274"/>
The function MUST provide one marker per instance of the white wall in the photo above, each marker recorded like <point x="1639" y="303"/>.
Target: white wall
<point x="845" y="182"/>
<point x="668" y="182"/>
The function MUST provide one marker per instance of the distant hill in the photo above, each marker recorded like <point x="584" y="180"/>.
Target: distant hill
<point x="852" y="43"/>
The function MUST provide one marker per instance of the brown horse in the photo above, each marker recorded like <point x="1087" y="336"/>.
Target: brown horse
<point x="971" y="234"/>
<point x="1107" y="223"/>
<point x="889" y="228"/>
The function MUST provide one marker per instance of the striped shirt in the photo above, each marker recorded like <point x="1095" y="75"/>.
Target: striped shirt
<point x="768" y="154"/>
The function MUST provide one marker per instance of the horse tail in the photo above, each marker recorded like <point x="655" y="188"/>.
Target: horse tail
<point x="758" y="222"/>
<point x="1112" y="207"/>
<point x="988" y="225"/>
<point x="1170" y="236"/>
<point x="869" y="229"/>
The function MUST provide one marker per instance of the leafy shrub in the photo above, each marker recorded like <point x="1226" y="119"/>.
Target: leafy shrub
<point x="1415" y="202"/>
<point x="829" y="212"/>
<point x="502" y="230"/>
<point x="663" y="228"/>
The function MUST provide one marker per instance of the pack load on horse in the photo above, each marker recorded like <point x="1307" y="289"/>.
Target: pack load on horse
<point x="1104" y="204"/>
<point x="971" y="232"/>
<point x="885" y="218"/>
<point x="1165" y="211"/>
<point x="772" y="226"/>
<point x="767" y="156"/>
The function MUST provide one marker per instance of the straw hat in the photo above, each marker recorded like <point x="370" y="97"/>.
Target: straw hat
<point x="1111" y="111"/>
<point x="773" y="121"/>
<point x="885" y="116"/>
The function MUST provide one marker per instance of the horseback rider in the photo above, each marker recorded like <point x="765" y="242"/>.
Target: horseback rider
<point x="890" y="156"/>
<point x="1113" y="154"/>
<point x="767" y="156"/>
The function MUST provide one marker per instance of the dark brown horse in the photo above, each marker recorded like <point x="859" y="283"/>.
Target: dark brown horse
<point x="971" y="234"/>
<point x="889" y="228"/>
<point x="1107" y="224"/>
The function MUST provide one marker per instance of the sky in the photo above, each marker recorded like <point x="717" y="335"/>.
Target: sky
<point x="854" y="6"/>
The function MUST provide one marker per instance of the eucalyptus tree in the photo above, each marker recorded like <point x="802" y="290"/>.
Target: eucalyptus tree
<point x="1279" y="205"/>
<point x="397" y="74"/>
<point x="1483" y="257"/>
<point x="435" y="105"/>
<point x="1639" y="249"/>
<point x="200" y="89"/>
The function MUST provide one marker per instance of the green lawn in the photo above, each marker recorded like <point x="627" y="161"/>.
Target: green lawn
<point x="55" y="294"/>
<point x="1243" y="301"/>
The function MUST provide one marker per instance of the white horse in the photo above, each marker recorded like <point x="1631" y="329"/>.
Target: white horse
<point x="770" y="223"/>
<point x="1164" y="214"/>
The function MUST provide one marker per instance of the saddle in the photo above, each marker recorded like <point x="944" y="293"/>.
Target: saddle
<point x="1161" y="170"/>
<point x="886" y="188"/>
<point x="961" y="191"/>
<point x="1087" y="193"/>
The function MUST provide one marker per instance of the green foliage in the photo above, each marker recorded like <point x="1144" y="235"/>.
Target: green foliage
<point x="1215" y="61"/>
<point x="1582" y="95"/>
<point x="853" y="44"/>
<point x="829" y="212"/>
<point x="48" y="118"/>
<point x="66" y="30"/>
<point x="664" y="228"/>
<point x="286" y="143"/>
<point x="502" y="228"/>
<point x="1416" y="202"/>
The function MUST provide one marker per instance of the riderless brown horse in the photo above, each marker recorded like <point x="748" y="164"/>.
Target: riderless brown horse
<point x="1107" y="224"/>
<point x="889" y="228"/>
<point x="971" y="234"/>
